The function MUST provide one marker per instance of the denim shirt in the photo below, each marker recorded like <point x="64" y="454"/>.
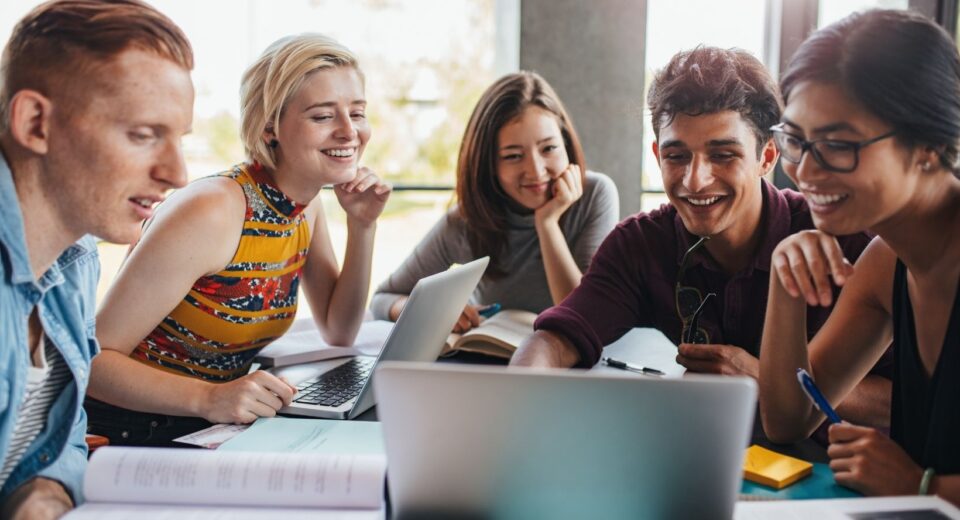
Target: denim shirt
<point x="65" y="300"/>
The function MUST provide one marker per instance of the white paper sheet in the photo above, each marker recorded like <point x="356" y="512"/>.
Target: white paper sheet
<point x="212" y="437"/>
<point x="303" y="344"/>
<point x="841" y="508"/>
<point x="643" y="347"/>
<point x="294" y="435"/>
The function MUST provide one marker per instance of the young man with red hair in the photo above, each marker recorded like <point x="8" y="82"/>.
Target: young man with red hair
<point x="94" y="98"/>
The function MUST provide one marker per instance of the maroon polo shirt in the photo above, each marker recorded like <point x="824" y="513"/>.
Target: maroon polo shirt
<point x="630" y="282"/>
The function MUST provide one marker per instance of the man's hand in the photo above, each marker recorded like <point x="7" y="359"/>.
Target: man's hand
<point x="37" y="499"/>
<point x="868" y="461"/>
<point x="259" y="394"/>
<point x="727" y="360"/>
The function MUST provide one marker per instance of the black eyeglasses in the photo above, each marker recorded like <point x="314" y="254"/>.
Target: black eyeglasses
<point x="831" y="154"/>
<point x="690" y="302"/>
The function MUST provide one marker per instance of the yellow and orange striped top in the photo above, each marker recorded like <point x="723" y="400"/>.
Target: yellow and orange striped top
<point x="227" y="317"/>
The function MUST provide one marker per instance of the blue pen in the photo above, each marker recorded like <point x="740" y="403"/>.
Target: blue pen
<point x="490" y="310"/>
<point x="809" y="388"/>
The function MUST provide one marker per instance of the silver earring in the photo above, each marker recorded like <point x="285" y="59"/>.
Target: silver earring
<point x="925" y="166"/>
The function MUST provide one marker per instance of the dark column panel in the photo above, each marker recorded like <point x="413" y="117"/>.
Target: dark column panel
<point x="592" y="52"/>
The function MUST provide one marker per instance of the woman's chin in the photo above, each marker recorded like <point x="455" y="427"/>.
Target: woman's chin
<point x="339" y="176"/>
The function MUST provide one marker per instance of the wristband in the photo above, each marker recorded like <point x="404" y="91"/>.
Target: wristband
<point x="925" y="482"/>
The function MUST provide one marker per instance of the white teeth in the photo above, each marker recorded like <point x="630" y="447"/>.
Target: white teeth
<point x="821" y="199"/>
<point x="703" y="202"/>
<point x="347" y="152"/>
<point x="144" y="202"/>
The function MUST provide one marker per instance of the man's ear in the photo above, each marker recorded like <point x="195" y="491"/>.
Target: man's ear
<point x="29" y="120"/>
<point x="769" y="156"/>
<point x="655" y="146"/>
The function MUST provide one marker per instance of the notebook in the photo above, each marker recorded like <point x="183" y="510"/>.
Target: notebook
<point x="343" y="388"/>
<point x="497" y="336"/>
<point x="493" y="442"/>
<point x="773" y="469"/>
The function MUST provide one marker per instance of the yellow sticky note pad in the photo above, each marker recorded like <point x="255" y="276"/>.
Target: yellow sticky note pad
<point x="773" y="469"/>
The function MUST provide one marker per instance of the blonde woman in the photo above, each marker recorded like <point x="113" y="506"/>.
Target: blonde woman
<point x="215" y="275"/>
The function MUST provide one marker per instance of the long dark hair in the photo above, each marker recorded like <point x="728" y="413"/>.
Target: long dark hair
<point x="899" y="65"/>
<point x="483" y="204"/>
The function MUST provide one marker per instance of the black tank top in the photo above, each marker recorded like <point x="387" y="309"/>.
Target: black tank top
<point x="925" y="419"/>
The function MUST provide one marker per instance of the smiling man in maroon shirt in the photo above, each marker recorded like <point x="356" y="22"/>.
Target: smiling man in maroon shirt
<point x="712" y="110"/>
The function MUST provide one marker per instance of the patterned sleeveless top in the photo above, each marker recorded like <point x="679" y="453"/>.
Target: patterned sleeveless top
<point x="227" y="317"/>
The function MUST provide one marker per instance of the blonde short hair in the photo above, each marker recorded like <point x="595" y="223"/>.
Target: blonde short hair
<point x="276" y="76"/>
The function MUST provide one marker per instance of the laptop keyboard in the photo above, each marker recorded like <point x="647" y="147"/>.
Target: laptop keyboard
<point x="337" y="386"/>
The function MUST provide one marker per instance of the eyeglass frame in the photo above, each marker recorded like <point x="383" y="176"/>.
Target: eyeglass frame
<point x="856" y="146"/>
<point x="690" y="324"/>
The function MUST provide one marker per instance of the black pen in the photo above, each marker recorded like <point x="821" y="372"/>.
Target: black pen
<point x="633" y="368"/>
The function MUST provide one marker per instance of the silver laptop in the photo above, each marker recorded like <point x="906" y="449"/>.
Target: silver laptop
<point x="344" y="390"/>
<point x="489" y="442"/>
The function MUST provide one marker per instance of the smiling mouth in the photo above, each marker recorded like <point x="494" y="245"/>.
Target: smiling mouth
<point x="143" y="202"/>
<point x="705" y="201"/>
<point x="823" y="199"/>
<point x="340" y="152"/>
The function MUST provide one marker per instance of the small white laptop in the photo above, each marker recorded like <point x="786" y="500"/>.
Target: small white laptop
<point x="344" y="390"/>
<point x="490" y="442"/>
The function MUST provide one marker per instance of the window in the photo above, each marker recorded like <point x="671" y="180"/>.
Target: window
<point x="675" y="26"/>
<point x="833" y="10"/>
<point x="423" y="76"/>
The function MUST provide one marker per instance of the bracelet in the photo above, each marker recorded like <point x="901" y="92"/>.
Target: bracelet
<point x="925" y="482"/>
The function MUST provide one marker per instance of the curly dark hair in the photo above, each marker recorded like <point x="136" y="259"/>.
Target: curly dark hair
<point x="707" y="80"/>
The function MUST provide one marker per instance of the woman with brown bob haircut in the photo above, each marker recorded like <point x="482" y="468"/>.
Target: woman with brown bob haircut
<point x="524" y="198"/>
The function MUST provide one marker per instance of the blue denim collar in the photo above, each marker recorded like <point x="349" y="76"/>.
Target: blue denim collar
<point x="12" y="234"/>
<point x="13" y="238"/>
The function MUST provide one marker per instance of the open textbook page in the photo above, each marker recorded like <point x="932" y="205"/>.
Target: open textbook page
<point x="171" y="512"/>
<point x="200" y="477"/>
<point x="498" y="335"/>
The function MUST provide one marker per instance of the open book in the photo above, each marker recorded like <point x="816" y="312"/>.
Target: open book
<point x="129" y="482"/>
<point x="498" y="335"/>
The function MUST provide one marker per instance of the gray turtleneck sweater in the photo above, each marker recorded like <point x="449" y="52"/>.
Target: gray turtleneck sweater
<point x="585" y="225"/>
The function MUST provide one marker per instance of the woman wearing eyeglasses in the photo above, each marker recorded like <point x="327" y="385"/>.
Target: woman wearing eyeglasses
<point x="870" y="136"/>
<point x="524" y="197"/>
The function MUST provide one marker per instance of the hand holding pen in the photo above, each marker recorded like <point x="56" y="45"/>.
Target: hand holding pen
<point x="810" y="388"/>
<point x="489" y="310"/>
<point x="472" y="316"/>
